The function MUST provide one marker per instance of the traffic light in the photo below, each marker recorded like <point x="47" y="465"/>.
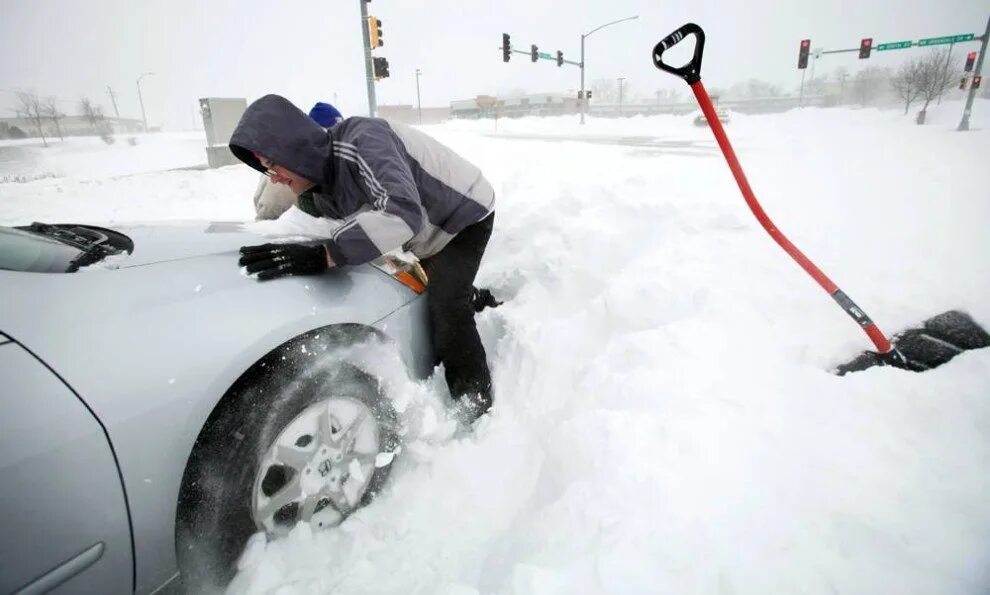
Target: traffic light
<point x="506" y="47"/>
<point x="970" y="58"/>
<point x="534" y="54"/>
<point x="803" y="54"/>
<point x="865" y="47"/>
<point x="375" y="33"/>
<point x="587" y="95"/>
<point x="381" y="68"/>
<point x="976" y="81"/>
<point x="962" y="84"/>
<point x="560" y="58"/>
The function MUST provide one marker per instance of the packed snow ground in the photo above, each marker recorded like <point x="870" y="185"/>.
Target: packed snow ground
<point x="664" y="421"/>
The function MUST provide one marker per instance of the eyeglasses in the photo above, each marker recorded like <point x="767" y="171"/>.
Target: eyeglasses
<point x="273" y="175"/>
<point x="269" y="167"/>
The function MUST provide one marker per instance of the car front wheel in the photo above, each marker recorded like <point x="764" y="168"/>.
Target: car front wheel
<point x="313" y="450"/>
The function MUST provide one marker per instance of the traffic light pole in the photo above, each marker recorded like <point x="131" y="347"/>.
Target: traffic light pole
<point x="368" y="65"/>
<point x="964" y="123"/>
<point x="801" y="92"/>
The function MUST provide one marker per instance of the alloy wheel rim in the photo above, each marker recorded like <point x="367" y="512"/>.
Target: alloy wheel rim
<point x="318" y="468"/>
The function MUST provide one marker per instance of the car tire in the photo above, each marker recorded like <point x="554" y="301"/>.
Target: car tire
<point x="218" y="506"/>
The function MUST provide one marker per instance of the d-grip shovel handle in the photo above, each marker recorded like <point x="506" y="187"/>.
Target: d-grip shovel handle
<point x="690" y="72"/>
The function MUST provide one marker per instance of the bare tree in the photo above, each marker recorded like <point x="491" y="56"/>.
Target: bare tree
<point x="754" y="88"/>
<point x="869" y="83"/>
<point x="667" y="96"/>
<point x="50" y="109"/>
<point x="841" y="75"/>
<point x="906" y="83"/>
<point x="32" y="109"/>
<point x="97" y="121"/>
<point x="816" y="86"/>
<point x="605" y="91"/>
<point x="934" y="78"/>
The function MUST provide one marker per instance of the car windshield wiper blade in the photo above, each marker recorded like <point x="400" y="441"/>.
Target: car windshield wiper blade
<point x="93" y="245"/>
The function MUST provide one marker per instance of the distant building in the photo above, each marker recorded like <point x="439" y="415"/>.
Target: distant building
<point x="536" y="104"/>
<point x="408" y="114"/>
<point x="70" y="126"/>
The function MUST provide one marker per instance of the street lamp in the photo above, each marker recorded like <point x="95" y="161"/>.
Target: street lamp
<point x="620" y="79"/>
<point x="141" y="100"/>
<point x="584" y="95"/>
<point x="419" y="104"/>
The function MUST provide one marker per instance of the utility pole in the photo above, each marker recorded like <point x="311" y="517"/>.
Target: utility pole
<point x="144" y="118"/>
<point x="620" y="94"/>
<point x="948" y="59"/>
<point x="964" y="123"/>
<point x="368" y="64"/>
<point x="419" y="103"/>
<point x="113" y="98"/>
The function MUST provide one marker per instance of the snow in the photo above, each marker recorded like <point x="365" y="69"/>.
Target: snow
<point x="664" y="421"/>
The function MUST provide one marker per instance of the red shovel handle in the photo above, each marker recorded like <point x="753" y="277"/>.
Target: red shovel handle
<point x="691" y="73"/>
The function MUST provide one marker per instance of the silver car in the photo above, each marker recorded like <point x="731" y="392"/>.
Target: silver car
<point x="160" y="410"/>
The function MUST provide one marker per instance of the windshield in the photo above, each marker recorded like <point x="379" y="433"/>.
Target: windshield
<point x="22" y="251"/>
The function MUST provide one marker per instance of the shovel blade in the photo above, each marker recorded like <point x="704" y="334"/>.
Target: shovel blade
<point x="936" y="341"/>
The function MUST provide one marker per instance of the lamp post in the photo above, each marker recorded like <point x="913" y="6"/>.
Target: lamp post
<point x="620" y="79"/>
<point x="584" y="95"/>
<point x="144" y="118"/>
<point x="419" y="104"/>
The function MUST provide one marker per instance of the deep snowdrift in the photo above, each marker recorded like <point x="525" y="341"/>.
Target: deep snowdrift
<point x="664" y="422"/>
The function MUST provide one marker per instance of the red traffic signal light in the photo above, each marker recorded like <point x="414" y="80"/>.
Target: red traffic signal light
<point x="865" y="47"/>
<point x="803" y="54"/>
<point x="970" y="58"/>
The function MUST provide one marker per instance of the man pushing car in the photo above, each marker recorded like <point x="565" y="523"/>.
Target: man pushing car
<point x="391" y="186"/>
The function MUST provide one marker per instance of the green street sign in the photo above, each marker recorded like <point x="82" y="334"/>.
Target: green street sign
<point x="546" y="56"/>
<point x="894" y="45"/>
<point x="947" y="39"/>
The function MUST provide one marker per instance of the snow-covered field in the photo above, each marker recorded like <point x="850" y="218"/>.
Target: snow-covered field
<point x="664" y="421"/>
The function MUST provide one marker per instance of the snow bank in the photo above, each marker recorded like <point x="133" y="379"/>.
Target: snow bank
<point x="664" y="422"/>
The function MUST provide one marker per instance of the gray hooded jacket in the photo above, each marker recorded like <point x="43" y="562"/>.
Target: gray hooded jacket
<point x="390" y="184"/>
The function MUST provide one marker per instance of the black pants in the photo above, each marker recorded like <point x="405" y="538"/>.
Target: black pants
<point x="455" y="336"/>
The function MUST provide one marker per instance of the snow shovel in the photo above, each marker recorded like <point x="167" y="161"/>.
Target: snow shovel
<point x="935" y="342"/>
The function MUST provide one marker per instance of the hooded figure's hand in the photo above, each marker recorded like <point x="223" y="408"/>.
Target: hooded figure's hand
<point x="271" y="261"/>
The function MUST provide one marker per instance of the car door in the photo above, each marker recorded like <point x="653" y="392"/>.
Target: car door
<point x="63" y="512"/>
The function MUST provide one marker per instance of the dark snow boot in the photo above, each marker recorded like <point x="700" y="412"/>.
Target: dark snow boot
<point x="483" y="298"/>
<point x="468" y="408"/>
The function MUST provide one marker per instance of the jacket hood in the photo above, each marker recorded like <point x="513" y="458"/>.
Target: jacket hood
<point x="272" y="126"/>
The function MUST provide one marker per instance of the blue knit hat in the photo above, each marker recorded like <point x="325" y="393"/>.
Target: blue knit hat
<point x="325" y="114"/>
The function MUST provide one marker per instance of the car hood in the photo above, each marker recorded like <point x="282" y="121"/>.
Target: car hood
<point x="164" y="242"/>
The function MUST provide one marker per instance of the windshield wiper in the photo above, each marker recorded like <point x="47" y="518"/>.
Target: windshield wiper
<point x="93" y="245"/>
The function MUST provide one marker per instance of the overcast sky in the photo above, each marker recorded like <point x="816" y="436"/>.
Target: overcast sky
<point x="310" y="50"/>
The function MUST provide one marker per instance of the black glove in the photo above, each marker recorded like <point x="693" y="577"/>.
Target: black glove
<point x="271" y="261"/>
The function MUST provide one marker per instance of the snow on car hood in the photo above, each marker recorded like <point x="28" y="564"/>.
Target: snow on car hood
<point x="178" y="240"/>
<point x="174" y="241"/>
